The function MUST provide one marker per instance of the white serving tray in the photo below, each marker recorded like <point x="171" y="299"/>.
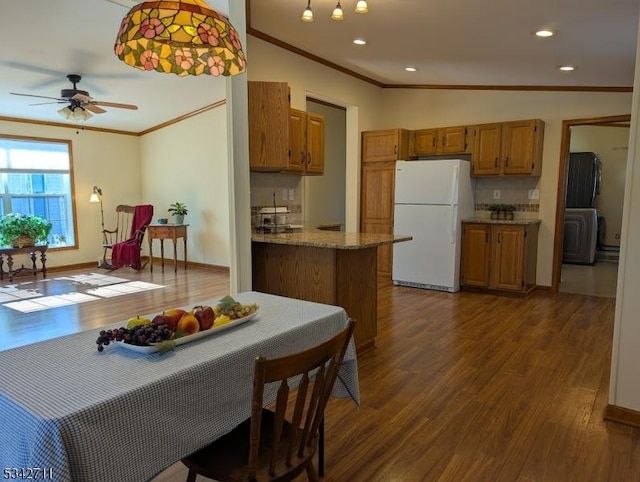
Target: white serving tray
<point x="186" y="339"/>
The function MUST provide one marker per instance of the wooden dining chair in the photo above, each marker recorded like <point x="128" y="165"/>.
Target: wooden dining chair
<point x="278" y="444"/>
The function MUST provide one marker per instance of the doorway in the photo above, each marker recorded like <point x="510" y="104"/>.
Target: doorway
<point x="586" y="279"/>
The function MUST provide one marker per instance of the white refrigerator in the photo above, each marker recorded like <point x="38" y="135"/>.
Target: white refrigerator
<point x="431" y="199"/>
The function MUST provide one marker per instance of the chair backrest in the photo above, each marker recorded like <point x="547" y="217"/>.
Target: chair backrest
<point x="317" y="368"/>
<point x="124" y="221"/>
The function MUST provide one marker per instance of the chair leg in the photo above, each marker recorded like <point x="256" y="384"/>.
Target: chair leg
<point x="321" y="448"/>
<point x="192" y="476"/>
<point x="311" y="472"/>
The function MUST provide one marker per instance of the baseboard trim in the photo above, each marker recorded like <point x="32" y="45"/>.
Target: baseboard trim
<point x="69" y="267"/>
<point x="210" y="267"/>
<point x="622" y="415"/>
<point x="92" y="264"/>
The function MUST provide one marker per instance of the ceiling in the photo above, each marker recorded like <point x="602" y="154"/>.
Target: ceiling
<point x="450" y="42"/>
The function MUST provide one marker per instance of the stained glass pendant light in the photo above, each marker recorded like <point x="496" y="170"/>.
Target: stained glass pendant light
<point x="184" y="37"/>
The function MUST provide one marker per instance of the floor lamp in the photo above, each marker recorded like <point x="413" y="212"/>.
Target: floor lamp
<point x="96" y="197"/>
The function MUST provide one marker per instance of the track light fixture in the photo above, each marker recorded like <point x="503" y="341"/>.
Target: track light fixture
<point x="337" y="14"/>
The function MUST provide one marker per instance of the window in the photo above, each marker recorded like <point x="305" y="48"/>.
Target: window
<point x="35" y="178"/>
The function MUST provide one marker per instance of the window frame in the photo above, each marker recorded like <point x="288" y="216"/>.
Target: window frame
<point x="72" y="184"/>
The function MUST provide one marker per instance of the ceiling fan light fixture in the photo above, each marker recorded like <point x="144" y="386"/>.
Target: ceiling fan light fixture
<point x="77" y="114"/>
<point x="362" y="7"/>
<point x="307" y="15"/>
<point x="338" y="14"/>
<point x="187" y="37"/>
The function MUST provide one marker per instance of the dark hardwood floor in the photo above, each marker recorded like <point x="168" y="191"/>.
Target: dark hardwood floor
<point x="469" y="386"/>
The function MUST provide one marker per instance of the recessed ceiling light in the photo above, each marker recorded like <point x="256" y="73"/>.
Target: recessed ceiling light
<point x="410" y="69"/>
<point x="567" y="68"/>
<point x="360" y="41"/>
<point x="544" y="33"/>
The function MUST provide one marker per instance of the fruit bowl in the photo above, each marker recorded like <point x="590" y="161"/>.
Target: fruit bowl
<point x="155" y="347"/>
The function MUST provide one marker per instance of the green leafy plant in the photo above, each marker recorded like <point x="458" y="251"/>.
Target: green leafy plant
<point x="495" y="207"/>
<point x="178" y="209"/>
<point x="508" y="208"/>
<point x="14" y="225"/>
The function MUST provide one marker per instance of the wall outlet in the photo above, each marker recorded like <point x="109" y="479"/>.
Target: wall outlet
<point x="284" y="195"/>
<point x="534" y="193"/>
<point x="292" y="194"/>
<point x="496" y="194"/>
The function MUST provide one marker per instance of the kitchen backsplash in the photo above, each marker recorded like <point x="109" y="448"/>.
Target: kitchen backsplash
<point x="513" y="190"/>
<point x="265" y="187"/>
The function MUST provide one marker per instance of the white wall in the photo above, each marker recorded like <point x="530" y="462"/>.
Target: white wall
<point x="107" y="160"/>
<point x="611" y="146"/>
<point x="187" y="162"/>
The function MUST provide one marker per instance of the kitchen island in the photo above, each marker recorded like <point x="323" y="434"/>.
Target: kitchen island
<point x="332" y="267"/>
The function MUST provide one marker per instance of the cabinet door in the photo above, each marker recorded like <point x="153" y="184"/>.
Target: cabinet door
<point x="376" y="211"/>
<point x="268" y="125"/>
<point x="452" y="140"/>
<point x="388" y="145"/>
<point x="508" y="258"/>
<point x="476" y="252"/>
<point x="297" y="141"/>
<point x="521" y="147"/>
<point x="315" y="144"/>
<point x="425" y="142"/>
<point x="486" y="152"/>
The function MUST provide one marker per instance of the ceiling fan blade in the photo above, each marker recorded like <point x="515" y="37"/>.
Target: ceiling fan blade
<point x="113" y="104"/>
<point x="56" y="102"/>
<point x="39" y="96"/>
<point x="93" y="108"/>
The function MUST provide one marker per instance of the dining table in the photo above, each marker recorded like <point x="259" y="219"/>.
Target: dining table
<point x="69" y="412"/>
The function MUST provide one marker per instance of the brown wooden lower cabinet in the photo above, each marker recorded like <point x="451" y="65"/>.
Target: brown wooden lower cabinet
<point x="340" y="277"/>
<point x="499" y="256"/>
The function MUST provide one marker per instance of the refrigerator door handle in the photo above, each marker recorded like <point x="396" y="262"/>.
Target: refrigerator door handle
<point x="452" y="231"/>
<point x="452" y="204"/>
<point x="454" y="185"/>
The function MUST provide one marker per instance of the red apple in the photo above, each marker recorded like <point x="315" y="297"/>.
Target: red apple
<point x="205" y="316"/>
<point x="163" y="319"/>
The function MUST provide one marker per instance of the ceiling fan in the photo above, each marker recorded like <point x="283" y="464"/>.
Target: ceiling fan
<point x="79" y="101"/>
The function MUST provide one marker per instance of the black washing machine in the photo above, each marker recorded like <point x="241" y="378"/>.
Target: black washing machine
<point x="581" y="235"/>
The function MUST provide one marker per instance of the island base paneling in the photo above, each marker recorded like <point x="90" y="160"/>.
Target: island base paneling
<point x="340" y="277"/>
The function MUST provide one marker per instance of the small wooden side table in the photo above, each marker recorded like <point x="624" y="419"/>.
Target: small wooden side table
<point x="31" y="251"/>
<point x="167" y="231"/>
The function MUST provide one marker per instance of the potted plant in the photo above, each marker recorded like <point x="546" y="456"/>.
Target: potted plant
<point x="495" y="210"/>
<point x="179" y="211"/>
<point x="509" y="209"/>
<point x="20" y="230"/>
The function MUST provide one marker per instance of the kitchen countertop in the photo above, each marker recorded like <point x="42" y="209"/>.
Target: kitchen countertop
<point x="328" y="239"/>
<point x="501" y="221"/>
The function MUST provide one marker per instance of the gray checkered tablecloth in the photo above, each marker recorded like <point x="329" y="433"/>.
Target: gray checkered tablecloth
<point x="122" y="415"/>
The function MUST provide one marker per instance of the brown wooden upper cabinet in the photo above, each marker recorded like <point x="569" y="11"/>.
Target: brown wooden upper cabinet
<point x="386" y="145"/>
<point x="268" y="126"/>
<point x="306" y="141"/>
<point x="508" y="148"/>
<point x="446" y="140"/>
